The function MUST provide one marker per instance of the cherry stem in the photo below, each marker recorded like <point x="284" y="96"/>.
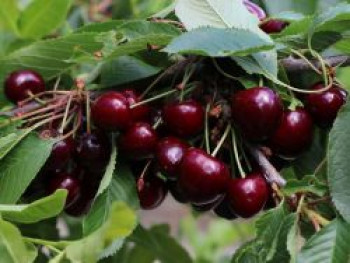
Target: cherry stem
<point x="66" y="114"/>
<point x="313" y="215"/>
<point x="88" y="113"/>
<point x="144" y="171"/>
<point x="222" y="140"/>
<point x="162" y="95"/>
<point x="222" y="72"/>
<point x="246" y="159"/>
<point x="206" y="129"/>
<point x="307" y="61"/>
<point x="235" y="151"/>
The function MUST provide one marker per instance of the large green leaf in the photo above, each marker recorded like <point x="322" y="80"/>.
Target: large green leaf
<point x="250" y="252"/>
<point x="338" y="163"/>
<point x="331" y="244"/>
<point x="9" y="14"/>
<point x="41" y="17"/>
<point x="218" y="42"/>
<point x="121" y="188"/>
<point x="8" y="142"/>
<point x="158" y="241"/>
<point x="21" y="166"/>
<point x="13" y="249"/>
<point x="44" y="208"/>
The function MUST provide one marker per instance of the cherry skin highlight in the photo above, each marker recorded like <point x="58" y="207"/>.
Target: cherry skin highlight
<point x="202" y="177"/>
<point x="20" y="84"/>
<point x="111" y="111"/>
<point x="184" y="119"/>
<point x="257" y="112"/>
<point x="248" y="196"/>
<point x="325" y="106"/>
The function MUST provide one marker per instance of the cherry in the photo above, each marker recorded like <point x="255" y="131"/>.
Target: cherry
<point x="139" y="141"/>
<point x="325" y="106"/>
<point x="184" y="119"/>
<point x="177" y="192"/>
<point x="140" y="113"/>
<point x="257" y="112"/>
<point x="61" y="153"/>
<point x="294" y="135"/>
<point x="111" y="111"/>
<point x="93" y="151"/>
<point x="206" y="207"/>
<point x="273" y="26"/>
<point x="151" y="191"/>
<point x="224" y="210"/>
<point x="169" y="153"/>
<point x="202" y="177"/>
<point x="255" y="9"/>
<point x="68" y="182"/>
<point x="247" y="196"/>
<point x="19" y="85"/>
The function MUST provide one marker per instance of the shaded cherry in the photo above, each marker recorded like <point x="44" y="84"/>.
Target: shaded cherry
<point x="325" y="106"/>
<point x="151" y="191"/>
<point x="257" y="112"/>
<point x="294" y="134"/>
<point x="202" y="178"/>
<point x="68" y="182"/>
<point x="206" y="207"/>
<point x="139" y="141"/>
<point x="169" y="154"/>
<point x="247" y="196"/>
<point x="176" y="192"/>
<point x="20" y="84"/>
<point x="273" y="26"/>
<point x="255" y="9"/>
<point x="224" y="210"/>
<point x="139" y="113"/>
<point x="111" y="111"/>
<point x="184" y="119"/>
<point x="61" y="153"/>
<point x="93" y="151"/>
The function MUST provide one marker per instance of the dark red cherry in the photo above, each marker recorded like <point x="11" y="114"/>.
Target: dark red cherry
<point x="140" y="113"/>
<point x="151" y="191"/>
<point x="93" y="151"/>
<point x="255" y="9"/>
<point x="169" y="154"/>
<point x="111" y="111"/>
<point x="20" y="84"/>
<point x="248" y="196"/>
<point x="139" y="141"/>
<point x="202" y="177"/>
<point x="273" y="26"/>
<point x="325" y="106"/>
<point x="257" y="112"/>
<point x="184" y="119"/>
<point x="68" y="182"/>
<point x="62" y="152"/>
<point x="294" y="134"/>
<point x="224" y="210"/>
<point x="176" y="192"/>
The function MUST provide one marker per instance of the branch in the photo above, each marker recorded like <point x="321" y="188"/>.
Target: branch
<point x="292" y="64"/>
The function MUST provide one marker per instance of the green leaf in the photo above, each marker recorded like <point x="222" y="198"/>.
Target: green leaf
<point x="121" y="188"/>
<point x="41" y="17"/>
<point x="100" y="27"/>
<point x="158" y="241"/>
<point x="21" y="166"/>
<point x="331" y="244"/>
<point x="119" y="224"/>
<point x="338" y="163"/>
<point x="228" y="42"/>
<point x="125" y="69"/>
<point x="13" y="249"/>
<point x="308" y="184"/>
<point x="44" y="208"/>
<point x="8" y="142"/>
<point x="250" y="252"/>
<point x="9" y="14"/>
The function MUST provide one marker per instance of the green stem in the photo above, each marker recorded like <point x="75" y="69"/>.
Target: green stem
<point x="316" y="216"/>
<point x="162" y="95"/>
<point x="235" y="150"/>
<point x="222" y="72"/>
<point x="222" y="140"/>
<point x="206" y="129"/>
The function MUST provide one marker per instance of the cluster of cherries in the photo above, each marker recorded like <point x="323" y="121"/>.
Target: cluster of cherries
<point x="162" y="148"/>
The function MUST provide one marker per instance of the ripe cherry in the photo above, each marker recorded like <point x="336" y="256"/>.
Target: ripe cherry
<point x="184" y="119"/>
<point x="224" y="210"/>
<point x="140" y="113"/>
<point x="139" y="141"/>
<point x="294" y="134"/>
<point x="169" y="154"/>
<point x="19" y="85"/>
<point x="325" y="106"/>
<point x="257" y="112"/>
<point x="93" y="151"/>
<point x="151" y="191"/>
<point x="255" y="9"/>
<point x="61" y="153"/>
<point x="247" y="196"/>
<point x="111" y="111"/>
<point x="177" y="192"/>
<point x="68" y="182"/>
<point x="202" y="177"/>
<point x="273" y="26"/>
